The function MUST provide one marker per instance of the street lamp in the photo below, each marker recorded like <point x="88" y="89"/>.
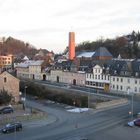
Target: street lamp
<point x="132" y="102"/>
<point x="89" y="98"/>
<point x="22" y="99"/>
<point x="132" y="106"/>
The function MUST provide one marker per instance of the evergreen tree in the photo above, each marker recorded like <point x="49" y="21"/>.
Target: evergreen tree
<point x="5" y="97"/>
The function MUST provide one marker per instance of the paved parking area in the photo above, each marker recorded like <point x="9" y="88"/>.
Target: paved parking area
<point x="5" y="118"/>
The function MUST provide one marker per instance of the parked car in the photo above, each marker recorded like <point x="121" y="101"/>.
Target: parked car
<point x="6" y="110"/>
<point x="131" y="123"/>
<point x="135" y="122"/>
<point x="12" y="127"/>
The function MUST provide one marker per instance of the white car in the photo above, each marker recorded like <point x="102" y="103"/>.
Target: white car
<point x="131" y="123"/>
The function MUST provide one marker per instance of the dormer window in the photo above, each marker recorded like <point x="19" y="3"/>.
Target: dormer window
<point x="136" y="74"/>
<point x="107" y="68"/>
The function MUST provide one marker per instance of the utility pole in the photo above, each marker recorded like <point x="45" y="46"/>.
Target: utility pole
<point x="25" y="97"/>
<point x="132" y="106"/>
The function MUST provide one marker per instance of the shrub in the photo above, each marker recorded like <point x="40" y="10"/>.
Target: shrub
<point x="5" y="97"/>
<point x="55" y="95"/>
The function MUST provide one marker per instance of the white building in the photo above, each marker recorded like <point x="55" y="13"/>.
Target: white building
<point x="122" y="84"/>
<point x="119" y="76"/>
<point x="97" y="79"/>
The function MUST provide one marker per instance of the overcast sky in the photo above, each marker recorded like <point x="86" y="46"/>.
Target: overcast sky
<point x="46" y="23"/>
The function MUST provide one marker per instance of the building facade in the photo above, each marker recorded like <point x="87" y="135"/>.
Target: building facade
<point x="6" y="62"/>
<point x="10" y="84"/>
<point x="73" y="78"/>
<point x="98" y="79"/>
<point x="31" y="70"/>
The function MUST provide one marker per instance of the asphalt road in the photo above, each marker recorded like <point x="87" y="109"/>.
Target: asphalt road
<point x="95" y="125"/>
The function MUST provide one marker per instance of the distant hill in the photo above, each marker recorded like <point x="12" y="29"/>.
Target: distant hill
<point x="127" y="46"/>
<point x="17" y="47"/>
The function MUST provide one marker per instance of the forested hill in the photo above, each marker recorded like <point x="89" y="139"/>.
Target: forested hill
<point x="128" y="46"/>
<point x="17" y="47"/>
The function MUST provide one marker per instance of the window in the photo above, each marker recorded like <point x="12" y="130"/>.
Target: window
<point x="135" y="81"/>
<point x="5" y="79"/>
<point x="95" y="76"/>
<point x="108" y="77"/>
<point x="117" y="79"/>
<point x="102" y="77"/>
<point x="87" y="82"/>
<point x="90" y="83"/>
<point x="94" y="84"/>
<point x="121" y="79"/>
<point x="113" y="86"/>
<point x="115" y="72"/>
<point x="121" y="87"/>
<point x="128" y="80"/>
<point x="98" y="76"/>
<point x="113" y="78"/>
<point x="90" y="76"/>
<point x="135" y="89"/>
<point x="102" y="85"/>
<point x="117" y="87"/>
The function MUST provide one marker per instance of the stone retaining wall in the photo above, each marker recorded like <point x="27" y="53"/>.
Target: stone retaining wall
<point x="111" y="103"/>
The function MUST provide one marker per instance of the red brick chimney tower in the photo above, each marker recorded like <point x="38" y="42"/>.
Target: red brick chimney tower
<point x="71" y="45"/>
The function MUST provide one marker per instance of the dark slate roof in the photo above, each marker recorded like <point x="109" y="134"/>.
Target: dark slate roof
<point x="64" y="65"/>
<point x="85" y="63"/>
<point x="118" y="66"/>
<point x="102" y="51"/>
<point x="136" y="65"/>
<point x="136" y="68"/>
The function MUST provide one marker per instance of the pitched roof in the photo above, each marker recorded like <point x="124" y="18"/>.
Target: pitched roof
<point x="30" y="63"/>
<point x="7" y="73"/>
<point x="85" y="54"/>
<point x="25" y="58"/>
<point x="102" y="51"/>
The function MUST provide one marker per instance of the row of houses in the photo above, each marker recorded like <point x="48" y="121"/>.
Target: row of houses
<point x="92" y="69"/>
<point x="105" y="78"/>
